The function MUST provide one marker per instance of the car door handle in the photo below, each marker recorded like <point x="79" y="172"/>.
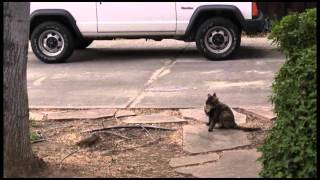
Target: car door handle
<point x="183" y="7"/>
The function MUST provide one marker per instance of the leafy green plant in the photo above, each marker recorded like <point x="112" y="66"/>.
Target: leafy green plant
<point x="34" y="136"/>
<point x="295" y="31"/>
<point x="290" y="148"/>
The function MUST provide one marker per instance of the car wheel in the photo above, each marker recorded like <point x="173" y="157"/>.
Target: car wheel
<point x="218" y="38"/>
<point x="52" y="42"/>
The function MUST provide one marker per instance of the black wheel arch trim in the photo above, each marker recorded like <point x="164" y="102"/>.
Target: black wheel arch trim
<point x="245" y="24"/>
<point x="56" y="12"/>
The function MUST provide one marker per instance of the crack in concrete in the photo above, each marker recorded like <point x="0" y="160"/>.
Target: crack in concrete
<point x="244" y="147"/>
<point x="170" y="89"/>
<point x="197" y="164"/>
<point x="164" y="70"/>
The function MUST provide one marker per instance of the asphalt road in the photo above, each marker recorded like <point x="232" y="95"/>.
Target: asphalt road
<point x="150" y="74"/>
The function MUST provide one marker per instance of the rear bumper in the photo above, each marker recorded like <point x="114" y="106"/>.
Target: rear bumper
<point x="256" y="25"/>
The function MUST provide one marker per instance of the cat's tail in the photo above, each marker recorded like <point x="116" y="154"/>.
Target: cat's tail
<point x="250" y="129"/>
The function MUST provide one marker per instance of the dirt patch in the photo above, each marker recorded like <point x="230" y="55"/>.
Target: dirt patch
<point x="112" y="155"/>
<point x="169" y="112"/>
<point x="125" y="153"/>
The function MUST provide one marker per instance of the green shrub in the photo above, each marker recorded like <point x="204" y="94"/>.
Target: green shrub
<point x="289" y="149"/>
<point x="295" y="31"/>
<point x="34" y="136"/>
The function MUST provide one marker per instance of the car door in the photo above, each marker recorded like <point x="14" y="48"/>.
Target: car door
<point x="136" y="17"/>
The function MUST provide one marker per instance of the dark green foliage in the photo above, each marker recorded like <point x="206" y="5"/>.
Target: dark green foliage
<point x="295" y="31"/>
<point x="290" y="148"/>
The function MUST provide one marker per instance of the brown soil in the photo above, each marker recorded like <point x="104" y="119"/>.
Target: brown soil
<point x="138" y="153"/>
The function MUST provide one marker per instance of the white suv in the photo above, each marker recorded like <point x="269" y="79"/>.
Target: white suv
<point x="56" y="28"/>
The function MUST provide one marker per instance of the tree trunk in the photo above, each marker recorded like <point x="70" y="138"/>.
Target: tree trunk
<point x="18" y="157"/>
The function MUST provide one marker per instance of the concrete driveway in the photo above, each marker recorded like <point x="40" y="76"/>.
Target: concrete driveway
<point x="166" y="74"/>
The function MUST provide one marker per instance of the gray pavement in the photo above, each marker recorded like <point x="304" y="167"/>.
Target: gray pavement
<point x="166" y="74"/>
<point x="197" y="139"/>
<point x="232" y="164"/>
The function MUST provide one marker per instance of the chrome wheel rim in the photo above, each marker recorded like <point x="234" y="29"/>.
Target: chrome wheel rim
<point x="51" y="43"/>
<point x="218" y="39"/>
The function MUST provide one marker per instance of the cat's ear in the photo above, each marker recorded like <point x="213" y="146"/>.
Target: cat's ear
<point x="209" y="95"/>
<point x="214" y="94"/>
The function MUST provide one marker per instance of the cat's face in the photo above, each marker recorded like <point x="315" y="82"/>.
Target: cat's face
<point x="210" y="102"/>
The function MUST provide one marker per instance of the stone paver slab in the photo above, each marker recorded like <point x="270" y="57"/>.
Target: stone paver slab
<point x="199" y="115"/>
<point x="76" y="114"/>
<point x="197" y="139"/>
<point x="265" y="112"/>
<point x="239" y="117"/>
<point x="195" y="114"/>
<point x="37" y="116"/>
<point x="153" y="119"/>
<point x="232" y="164"/>
<point x="189" y="160"/>
<point x="125" y="113"/>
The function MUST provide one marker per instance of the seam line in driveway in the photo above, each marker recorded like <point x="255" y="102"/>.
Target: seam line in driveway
<point x="155" y="76"/>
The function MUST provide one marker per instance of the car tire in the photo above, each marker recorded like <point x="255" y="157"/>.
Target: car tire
<point x="52" y="42"/>
<point x="218" y="38"/>
<point x="83" y="43"/>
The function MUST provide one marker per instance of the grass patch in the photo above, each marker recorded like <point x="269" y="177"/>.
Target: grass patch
<point x="34" y="136"/>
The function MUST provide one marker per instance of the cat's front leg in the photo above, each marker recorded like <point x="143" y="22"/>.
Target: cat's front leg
<point x="211" y="124"/>
<point x="208" y="123"/>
